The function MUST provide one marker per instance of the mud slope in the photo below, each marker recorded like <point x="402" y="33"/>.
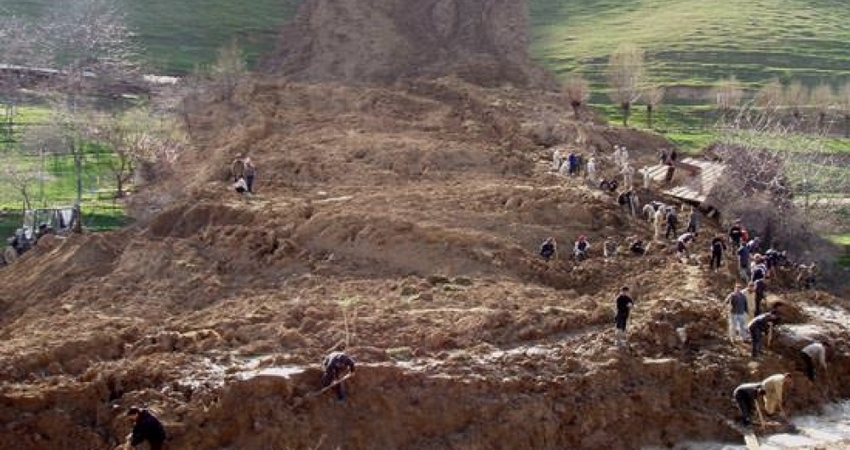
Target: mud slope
<point x="405" y="220"/>
<point x="381" y="41"/>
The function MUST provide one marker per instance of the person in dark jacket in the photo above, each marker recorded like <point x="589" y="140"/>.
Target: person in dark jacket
<point x="746" y="396"/>
<point x="548" y="249"/>
<point x="624" y="304"/>
<point x="717" y="249"/>
<point x="760" y="325"/>
<point x="336" y="366"/>
<point x="146" y="427"/>
<point x="735" y="233"/>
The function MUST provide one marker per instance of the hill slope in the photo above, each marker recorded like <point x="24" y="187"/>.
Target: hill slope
<point x="694" y="41"/>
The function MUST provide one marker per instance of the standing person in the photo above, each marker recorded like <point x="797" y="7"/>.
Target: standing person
<point x="774" y="389"/>
<point x="737" y="303"/>
<point x="760" y="325"/>
<point x="250" y="172"/>
<point x="557" y="159"/>
<point x="337" y="366"/>
<point x="746" y="396"/>
<point x="628" y="173"/>
<point x="735" y="233"/>
<point x="237" y="169"/>
<point x="572" y="161"/>
<point x="624" y="304"/>
<point x="591" y="170"/>
<point x="758" y="288"/>
<point x="146" y="427"/>
<point x="717" y="248"/>
<point x="672" y="223"/>
<point x="744" y="262"/>
<point x="693" y="220"/>
<point x="548" y="249"/>
<point x="814" y="352"/>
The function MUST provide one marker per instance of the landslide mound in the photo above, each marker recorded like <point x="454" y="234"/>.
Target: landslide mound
<point x="381" y="41"/>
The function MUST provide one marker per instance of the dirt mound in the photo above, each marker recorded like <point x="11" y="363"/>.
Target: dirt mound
<point x="405" y="221"/>
<point x="381" y="41"/>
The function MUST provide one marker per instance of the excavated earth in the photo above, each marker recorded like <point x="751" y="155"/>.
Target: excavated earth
<point x="403" y="220"/>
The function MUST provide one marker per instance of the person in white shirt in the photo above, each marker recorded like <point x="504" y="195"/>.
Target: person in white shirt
<point x="814" y="353"/>
<point x="774" y="386"/>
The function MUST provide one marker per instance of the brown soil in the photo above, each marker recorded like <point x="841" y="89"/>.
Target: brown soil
<point x="406" y="220"/>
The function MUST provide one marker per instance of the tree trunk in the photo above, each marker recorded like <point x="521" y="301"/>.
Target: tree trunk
<point x="576" y="106"/>
<point x="649" y="116"/>
<point x="627" y="109"/>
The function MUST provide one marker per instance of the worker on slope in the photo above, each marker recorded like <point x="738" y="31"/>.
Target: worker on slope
<point x="737" y="303"/>
<point x="624" y="304"/>
<point x="746" y="396"/>
<point x="812" y="353"/>
<point x="774" y="388"/>
<point x="337" y="366"/>
<point x="146" y="428"/>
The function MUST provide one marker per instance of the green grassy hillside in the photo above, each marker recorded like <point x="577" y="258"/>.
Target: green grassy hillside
<point x="687" y="41"/>
<point x="698" y="41"/>
<point x="177" y="35"/>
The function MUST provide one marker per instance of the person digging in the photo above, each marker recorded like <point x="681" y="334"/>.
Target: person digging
<point x="337" y="367"/>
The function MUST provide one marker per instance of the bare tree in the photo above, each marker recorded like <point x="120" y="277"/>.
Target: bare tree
<point x="576" y="90"/>
<point x="823" y="100"/>
<point x="784" y="183"/>
<point x="137" y="137"/>
<point x="843" y="102"/>
<point x="769" y="98"/>
<point x="625" y="75"/>
<point x="652" y="97"/>
<point x="728" y="95"/>
<point x="17" y="54"/>
<point x="18" y="177"/>
<point x="794" y="97"/>
<point x="229" y="69"/>
<point x="91" y="45"/>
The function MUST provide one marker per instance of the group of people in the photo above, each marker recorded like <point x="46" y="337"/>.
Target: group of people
<point x="243" y="172"/>
<point x="549" y="248"/>
<point x="770" y="390"/>
<point x="568" y="164"/>
<point x="337" y="367"/>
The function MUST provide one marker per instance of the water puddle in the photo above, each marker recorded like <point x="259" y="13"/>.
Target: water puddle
<point x="827" y="431"/>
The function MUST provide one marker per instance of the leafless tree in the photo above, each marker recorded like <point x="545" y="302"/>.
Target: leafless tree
<point x="576" y="90"/>
<point x="625" y="75"/>
<point x="822" y="99"/>
<point x="843" y="102"/>
<point x="18" y="177"/>
<point x="17" y="52"/>
<point x="652" y="97"/>
<point x="91" y="45"/>
<point x="229" y="69"/>
<point x="138" y="138"/>
<point x="787" y="185"/>
<point x="728" y="95"/>
<point x="769" y="99"/>
<point x="794" y="97"/>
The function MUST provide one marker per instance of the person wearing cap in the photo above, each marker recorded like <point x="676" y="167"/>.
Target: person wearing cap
<point x="336" y="366"/>
<point x="624" y="303"/>
<point x="746" y="396"/>
<point x="146" y="428"/>
<point x="814" y="352"/>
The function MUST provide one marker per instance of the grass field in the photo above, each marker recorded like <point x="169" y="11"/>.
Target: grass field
<point x="696" y="42"/>
<point x="178" y="35"/>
